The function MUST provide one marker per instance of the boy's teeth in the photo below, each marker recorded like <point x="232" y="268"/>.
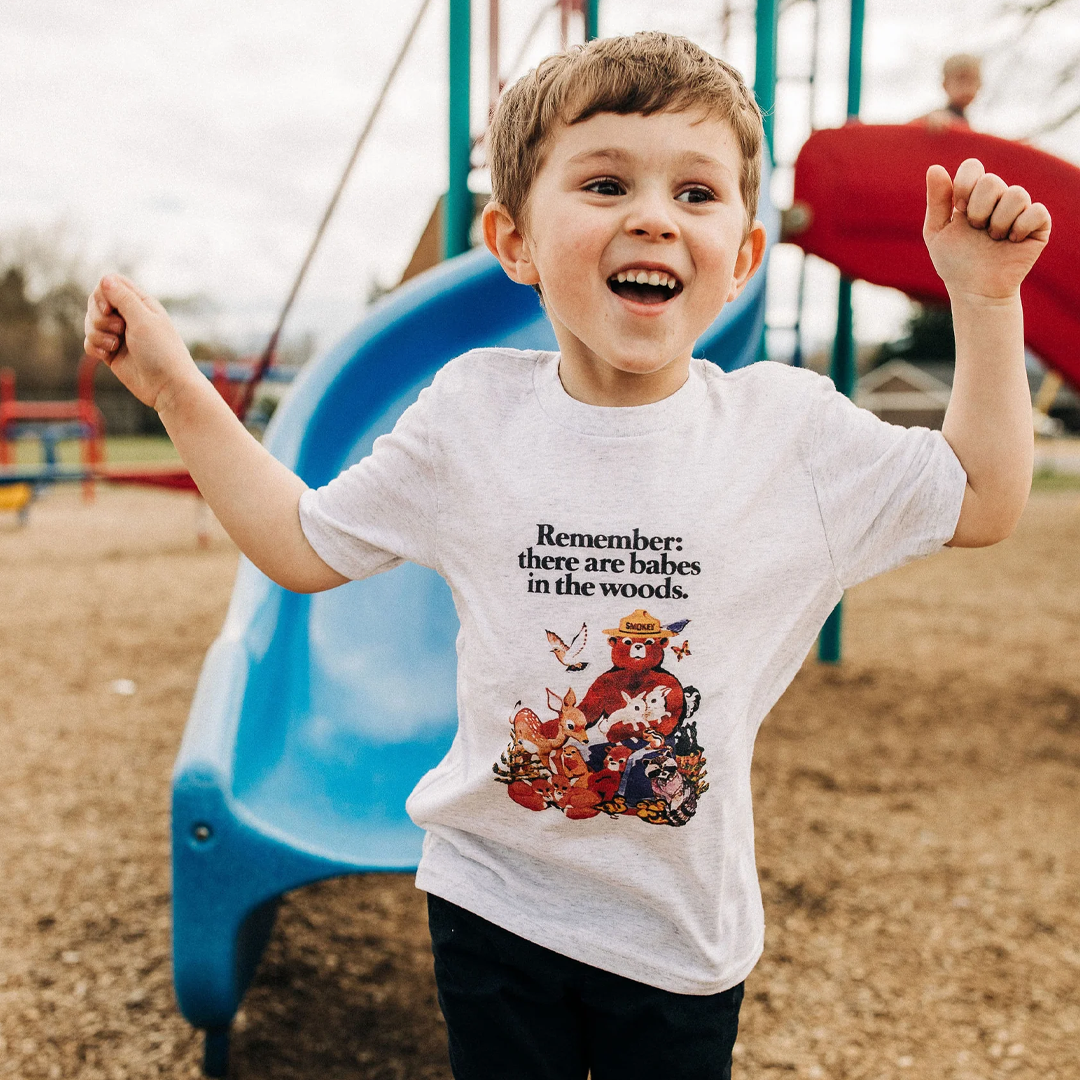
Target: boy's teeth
<point x="648" y="277"/>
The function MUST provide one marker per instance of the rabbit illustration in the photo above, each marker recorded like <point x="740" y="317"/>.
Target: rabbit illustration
<point x="632" y="721"/>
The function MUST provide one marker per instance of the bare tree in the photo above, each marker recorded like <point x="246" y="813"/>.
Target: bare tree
<point x="1064" y="77"/>
<point x="43" y="289"/>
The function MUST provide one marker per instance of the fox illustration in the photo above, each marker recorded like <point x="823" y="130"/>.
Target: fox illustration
<point x="605" y="781"/>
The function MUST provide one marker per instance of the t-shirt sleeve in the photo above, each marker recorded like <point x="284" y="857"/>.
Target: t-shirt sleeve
<point x="382" y="511"/>
<point x="886" y="494"/>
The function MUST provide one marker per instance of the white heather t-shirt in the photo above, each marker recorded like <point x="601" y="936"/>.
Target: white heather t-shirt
<point x="636" y="587"/>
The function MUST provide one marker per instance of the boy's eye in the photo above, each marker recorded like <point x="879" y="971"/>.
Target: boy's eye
<point x="695" y="195"/>
<point x="605" y="186"/>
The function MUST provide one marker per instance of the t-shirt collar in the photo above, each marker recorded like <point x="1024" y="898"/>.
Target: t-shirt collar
<point x="616" y="421"/>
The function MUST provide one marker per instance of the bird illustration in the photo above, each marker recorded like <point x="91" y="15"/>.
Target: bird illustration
<point x="567" y="655"/>
<point x="678" y="627"/>
<point x="681" y="650"/>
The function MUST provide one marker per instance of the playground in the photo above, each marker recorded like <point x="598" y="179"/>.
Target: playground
<point x="915" y="808"/>
<point x="207" y="864"/>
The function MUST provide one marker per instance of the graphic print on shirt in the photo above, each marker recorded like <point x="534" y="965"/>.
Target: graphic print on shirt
<point x="627" y="746"/>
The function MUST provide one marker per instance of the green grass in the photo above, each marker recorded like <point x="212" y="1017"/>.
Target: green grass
<point x="119" y="449"/>
<point x="122" y="449"/>
<point x="1047" y="480"/>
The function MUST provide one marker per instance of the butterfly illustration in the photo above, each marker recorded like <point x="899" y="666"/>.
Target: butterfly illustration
<point x="677" y="628"/>
<point x="568" y="655"/>
<point x="681" y="650"/>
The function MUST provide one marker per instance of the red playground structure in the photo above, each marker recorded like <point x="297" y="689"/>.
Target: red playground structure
<point x="51" y="422"/>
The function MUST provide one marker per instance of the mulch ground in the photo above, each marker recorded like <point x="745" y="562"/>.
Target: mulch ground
<point x="917" y="807"/>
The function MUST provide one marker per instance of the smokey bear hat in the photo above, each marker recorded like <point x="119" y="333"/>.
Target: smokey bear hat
<point x="640" y="625"/>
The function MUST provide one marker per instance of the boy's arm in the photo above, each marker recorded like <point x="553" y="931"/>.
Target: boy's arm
<point x="939" y="120"/>
<point x="983" y="237"/>
<point x="253" y="495"/>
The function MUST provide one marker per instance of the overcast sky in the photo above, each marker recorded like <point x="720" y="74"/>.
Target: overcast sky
<point x="197" y="141"/>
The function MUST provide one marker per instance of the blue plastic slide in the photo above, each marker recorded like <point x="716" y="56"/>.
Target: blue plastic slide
<point x="315" y="716"/>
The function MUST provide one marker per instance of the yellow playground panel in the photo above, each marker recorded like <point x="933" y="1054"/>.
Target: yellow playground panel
<point x="15" y="497"/>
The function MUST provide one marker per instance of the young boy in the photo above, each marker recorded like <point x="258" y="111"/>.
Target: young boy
<point x="961" y="80"/>
<point x="593" y="897"/>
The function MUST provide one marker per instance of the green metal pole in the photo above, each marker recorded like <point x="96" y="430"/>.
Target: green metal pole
<point x="766" y="25"/>
<point x="457" y="219"/>
<point x="843" y="357"/>
<point x="842" y="369"/>
<point x="830" y="643"/>
<point x="592" y="19"/>
<point x="855" y="52"/>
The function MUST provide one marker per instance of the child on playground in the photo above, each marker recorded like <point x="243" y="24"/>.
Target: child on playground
<point x="961" y="79"/>
<point x="593" y="898"/>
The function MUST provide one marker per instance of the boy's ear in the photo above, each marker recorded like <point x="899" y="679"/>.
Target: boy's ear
<point x="508" y="244"/>
<point x="749" y="259"/>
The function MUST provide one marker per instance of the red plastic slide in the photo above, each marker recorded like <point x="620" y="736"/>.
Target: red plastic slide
<point x="863" y="188"/>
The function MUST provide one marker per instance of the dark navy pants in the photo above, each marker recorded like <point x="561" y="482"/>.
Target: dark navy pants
<point x="518" y="1011"/>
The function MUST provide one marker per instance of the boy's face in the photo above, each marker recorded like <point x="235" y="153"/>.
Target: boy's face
<point x="962" y="86"/>
<point x="633" y="196"/>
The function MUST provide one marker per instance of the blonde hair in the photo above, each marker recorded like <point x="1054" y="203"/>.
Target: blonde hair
<point x="644" y="73"/>
<point x="961" y="63"/>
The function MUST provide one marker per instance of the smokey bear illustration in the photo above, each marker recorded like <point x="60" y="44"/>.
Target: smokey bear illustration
<point x="628" y="748"/>
<point x="637" y="656"/>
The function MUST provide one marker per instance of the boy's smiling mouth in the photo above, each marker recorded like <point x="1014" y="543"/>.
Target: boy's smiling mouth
<point x="645" y="285"/>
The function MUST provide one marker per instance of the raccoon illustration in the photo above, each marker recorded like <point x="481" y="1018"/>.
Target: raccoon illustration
<point x="669" y="785"/>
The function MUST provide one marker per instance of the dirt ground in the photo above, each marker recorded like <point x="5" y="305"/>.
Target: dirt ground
<point x="918" y="810"/>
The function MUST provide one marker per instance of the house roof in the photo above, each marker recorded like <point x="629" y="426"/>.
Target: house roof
<point x="900" y="385"/>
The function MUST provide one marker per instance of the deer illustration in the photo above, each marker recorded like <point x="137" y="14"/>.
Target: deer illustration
<point x="542" y="737"/>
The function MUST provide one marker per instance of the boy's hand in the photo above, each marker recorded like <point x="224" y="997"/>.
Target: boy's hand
<point x="132" y="333"/>
<point x="983" y="235"/>
<point x="941" y="120"/>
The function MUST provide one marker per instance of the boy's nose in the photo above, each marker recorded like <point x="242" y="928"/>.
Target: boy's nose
<point x="650" y="217"/>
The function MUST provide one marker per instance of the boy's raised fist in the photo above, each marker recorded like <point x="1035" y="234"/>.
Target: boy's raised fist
<point x="132" y="333"/>
<point x="983" y="235"/>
